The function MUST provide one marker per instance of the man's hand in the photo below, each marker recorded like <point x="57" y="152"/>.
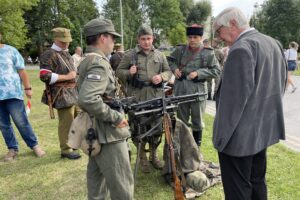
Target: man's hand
<point x="122" y="124"/>
<point x="156" y="79"/>
<point x="71" y="75"/>
<point x="28" y="93"/>
<point x="177" y="73"/>
<point x="193" y="75"/>
<point x="133" y="70"/>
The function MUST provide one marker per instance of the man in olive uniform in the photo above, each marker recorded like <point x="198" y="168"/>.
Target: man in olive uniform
<point x="192" y="65"/>
<point x="109" y="173"/>
<point x="58" y="72"/>
<point x="209" y="80"/>
<point x="144" y="69"/>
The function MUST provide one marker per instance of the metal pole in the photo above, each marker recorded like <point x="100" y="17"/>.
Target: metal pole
<point x="81" y="41"/>
<point x="122" y="31"/>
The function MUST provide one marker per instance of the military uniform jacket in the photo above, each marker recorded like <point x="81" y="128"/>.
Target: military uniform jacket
<point x="96" y="80"/>
<point x="148" y="65"/>
<point x="59" y="62"/>
<point x="202" y="60"/>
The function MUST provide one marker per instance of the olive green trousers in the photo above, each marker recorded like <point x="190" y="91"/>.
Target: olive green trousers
<point x="65" y="119"/>
<point x="109" y="174"/>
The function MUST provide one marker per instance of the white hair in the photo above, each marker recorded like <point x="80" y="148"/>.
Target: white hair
<point x="232" y="13"/>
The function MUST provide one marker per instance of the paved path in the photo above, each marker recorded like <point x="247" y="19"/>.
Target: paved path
<point x="291" y="108"/>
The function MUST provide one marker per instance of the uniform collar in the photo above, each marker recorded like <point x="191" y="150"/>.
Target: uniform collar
<point x="57" y="48"/>
<point x="92" y="49"/>
<point x="138" y="49"/>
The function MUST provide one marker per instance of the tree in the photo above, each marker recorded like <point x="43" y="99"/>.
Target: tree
<point x="12" y="23"/>
<point x="132" y="18"/>
<point x="177" y="35"/>
<point x="185" y="7"/>
<point x="48" y="14"/>
<point x="163" y="16"/>
<point x="199" y="13"/>
<point x="279" y="19"/>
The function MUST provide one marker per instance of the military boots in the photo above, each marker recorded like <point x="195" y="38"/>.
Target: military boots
<point x="156" y="163"/>
<point x="209" y="96"/>
<point x="144" y="163"/>
<point x="197" y="137"/>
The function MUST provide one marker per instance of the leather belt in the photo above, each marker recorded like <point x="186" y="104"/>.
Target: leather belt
<point x="65" y="84"/>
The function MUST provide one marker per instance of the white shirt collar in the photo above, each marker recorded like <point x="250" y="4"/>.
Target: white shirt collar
<point x="57" y="48"/>
<point x="245" y="31"/>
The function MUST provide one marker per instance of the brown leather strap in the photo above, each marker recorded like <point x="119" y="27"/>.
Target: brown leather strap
<point x="65" y="84"/>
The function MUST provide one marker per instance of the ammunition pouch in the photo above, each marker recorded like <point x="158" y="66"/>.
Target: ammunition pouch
<point x="135" y="82"/>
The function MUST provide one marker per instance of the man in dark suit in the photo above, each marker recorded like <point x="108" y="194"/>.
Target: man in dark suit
<point x="249" y="115"/>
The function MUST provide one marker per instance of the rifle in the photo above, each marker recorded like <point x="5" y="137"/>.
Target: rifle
<point x="50" y="102"/>
<point x="178" y="193"/>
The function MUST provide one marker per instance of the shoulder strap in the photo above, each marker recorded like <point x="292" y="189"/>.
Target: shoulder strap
<point x="134" y="58"/>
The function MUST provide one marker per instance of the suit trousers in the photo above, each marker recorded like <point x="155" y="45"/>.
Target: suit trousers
<point x="65" y="119"/>
<point x="244" y="177"/>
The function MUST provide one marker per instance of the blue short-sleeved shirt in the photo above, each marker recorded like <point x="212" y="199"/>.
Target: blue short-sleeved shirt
<point x="10" y="82"/>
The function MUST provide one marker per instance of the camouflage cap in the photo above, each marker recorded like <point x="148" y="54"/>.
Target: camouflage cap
<point x="62" y="34"/>
<point x="144" y="30"/>
<point x="97" y="26"/>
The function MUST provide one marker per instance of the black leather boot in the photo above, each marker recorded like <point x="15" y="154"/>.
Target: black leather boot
<point x="197" y="137"/>
<point x="209" y="96"/>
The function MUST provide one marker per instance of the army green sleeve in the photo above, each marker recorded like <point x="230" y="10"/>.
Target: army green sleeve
<point x="172" y="58"/>
<point x="212" y="70"/>
<point x="90" y="95"/>
<point x="167" y="73"/>
<point x="123" y="68"/>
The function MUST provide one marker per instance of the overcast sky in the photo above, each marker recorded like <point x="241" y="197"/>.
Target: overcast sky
<point x="246" y="6"/>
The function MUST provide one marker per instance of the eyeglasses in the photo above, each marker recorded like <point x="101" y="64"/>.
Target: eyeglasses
<point x="217" y="32"/>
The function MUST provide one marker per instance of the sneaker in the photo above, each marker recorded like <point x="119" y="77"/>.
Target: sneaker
<point x="294" y="89"/>
<point x="11" y="154"/>
<point x="38" y="151"/>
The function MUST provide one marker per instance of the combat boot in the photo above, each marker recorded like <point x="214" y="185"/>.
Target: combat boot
<point x="156" y="163"/>
<point x="209" y="96"/>
<point x="197" y="137"/>
<point x="144" y="163"/>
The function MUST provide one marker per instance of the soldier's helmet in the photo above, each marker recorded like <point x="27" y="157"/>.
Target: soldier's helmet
<point x="197" y="181"/>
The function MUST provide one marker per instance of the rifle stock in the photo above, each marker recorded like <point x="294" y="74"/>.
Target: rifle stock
<point x="178" y="193"/>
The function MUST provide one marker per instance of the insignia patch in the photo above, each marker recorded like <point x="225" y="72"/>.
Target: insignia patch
<point x="94" y="76"/>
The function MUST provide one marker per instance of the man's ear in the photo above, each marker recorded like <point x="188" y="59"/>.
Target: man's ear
<point x="233" y="23"/>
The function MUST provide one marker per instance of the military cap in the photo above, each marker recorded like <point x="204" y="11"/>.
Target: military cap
<point x="98" y="26"/>
<point x="195" y="29"/>
<point x="144" y="30"/>
<point x="62" y="34"/>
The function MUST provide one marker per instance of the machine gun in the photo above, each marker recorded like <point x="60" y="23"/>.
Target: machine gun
<point x="142" y="114"/>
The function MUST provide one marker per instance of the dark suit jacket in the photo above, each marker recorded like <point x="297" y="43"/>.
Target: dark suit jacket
<point x="249" y="114"/>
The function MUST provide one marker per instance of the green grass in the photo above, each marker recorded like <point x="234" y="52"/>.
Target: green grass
<point x="50" y="177"/>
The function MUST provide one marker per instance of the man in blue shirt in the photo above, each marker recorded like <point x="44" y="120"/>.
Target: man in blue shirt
<point x="12" y="76"/>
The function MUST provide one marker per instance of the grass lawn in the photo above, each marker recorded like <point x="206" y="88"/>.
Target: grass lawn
<point x="50" y="177"/>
